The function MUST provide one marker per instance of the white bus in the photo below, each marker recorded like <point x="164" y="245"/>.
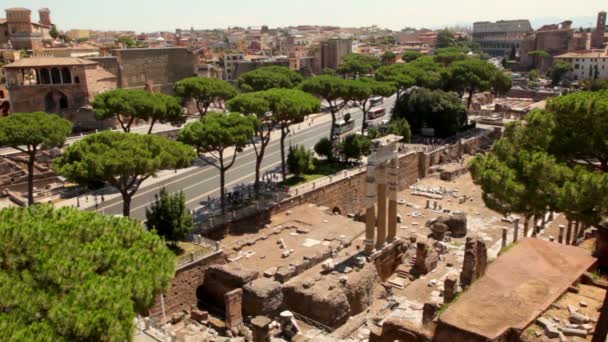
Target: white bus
<point x="376" y="113"/>
<point x="343" y="128"/>
<point x="376" y="101"/>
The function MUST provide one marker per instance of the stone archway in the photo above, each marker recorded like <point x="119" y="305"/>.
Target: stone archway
<point x="55" y="101"/>
<point x="336" y="211"/>
<point x="5" y="108"/>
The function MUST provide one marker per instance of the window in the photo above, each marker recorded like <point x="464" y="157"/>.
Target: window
<point x="77" y="79"/>
<point x="66" y="75"/>
<point x="55" y="76"/>
<point x="45" y="76"/>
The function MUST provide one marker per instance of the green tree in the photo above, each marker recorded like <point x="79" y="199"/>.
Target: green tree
<point x="167" y="109"/>
<point x="356" y="65"/>
<point x="333" y="90"/>
<point x="256" y="104"/>
<point x="290" y="106"/>
<point x="128" y="41"/>
<point x="581" y="123"/>
<point x="169" y="216"/>
<point x="501" y="82"/>
<point x="355" y="146"/>
<point x="445" y="38"/>
<point x="269" y="77"/>
<point x="470" y="76"/>
<point x="123" y="160"/>
<point x="388" y="57"/>
<point x="449" y="55"/>
<point x="422" y="72"/>
<point x="595" y="85"/>
<point x="205" y="91"/>
<point x="215" y="134"/>
<point x="53" y="32"/>
<point x="300" y="160"/>
<point x="442" y="111"/>
<point x="560" y="69"/>
<point x="324" y="148"/>
<point x="30" y="133"/>
<point x="71" y="275"/>
<point x="128" y="105"/>
<point x="533" y="75"/>
<point x="401" y="128"/>
<point x="410" y="56"/>
<point x="539" y="55"/>
<point x="363" y="90"/>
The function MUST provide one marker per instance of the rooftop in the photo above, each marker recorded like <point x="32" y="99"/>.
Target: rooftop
<point x="519" y="286"/>
<point x="584" y="54"/>
<point x="49" y="61"/>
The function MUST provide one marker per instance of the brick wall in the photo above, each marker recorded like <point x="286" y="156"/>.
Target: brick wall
<point x="160" y="68"/>
<point x="182" y="295"/>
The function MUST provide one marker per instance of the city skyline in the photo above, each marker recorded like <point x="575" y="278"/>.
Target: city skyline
<point x="158" y="16"/>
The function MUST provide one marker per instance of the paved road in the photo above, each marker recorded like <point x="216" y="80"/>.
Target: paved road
<point x="203" y="181"/>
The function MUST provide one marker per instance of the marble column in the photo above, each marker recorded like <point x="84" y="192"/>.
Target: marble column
<point x="393" y="189"/>
<point x="382" y="207"/>
<point x="370" y="205"/>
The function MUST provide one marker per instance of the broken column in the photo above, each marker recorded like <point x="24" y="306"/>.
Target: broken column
<point x="569" y="233"/>
<point x="370" y="203"/>
<point x="526" y="226"/>
<point x="516" y="230"/>
<point x="382" y="212"/>
<point x="450" y="288"/>
<point x="234" y="311"/>
<point x="560" y="238"/>
<point x="504" y="237"/>
<point x="393" y="189"/>
<point x="575" y="235"/>
<point x="475" y="261"/>
<point x="426" y="258"/>
<point x="260" y="326"/>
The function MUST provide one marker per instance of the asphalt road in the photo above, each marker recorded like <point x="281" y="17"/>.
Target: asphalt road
<point x="202" y="182"/>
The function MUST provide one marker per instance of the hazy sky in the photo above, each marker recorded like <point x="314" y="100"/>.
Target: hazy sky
<point x="152" y="15"/>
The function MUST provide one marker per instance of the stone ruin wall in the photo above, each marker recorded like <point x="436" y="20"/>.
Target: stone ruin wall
<point x="348" y="195"/>
<point x="182" y="295"/>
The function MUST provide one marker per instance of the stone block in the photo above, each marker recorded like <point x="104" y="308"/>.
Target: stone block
<point x="262" y="296"/>
<point x="199" y="316"/>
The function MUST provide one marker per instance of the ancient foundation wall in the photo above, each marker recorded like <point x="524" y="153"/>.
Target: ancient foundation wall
<point x="400" y="330"/>
<point x="182" y="295"/>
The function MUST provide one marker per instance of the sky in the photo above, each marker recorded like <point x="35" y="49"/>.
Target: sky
<point x="157" y="15"/>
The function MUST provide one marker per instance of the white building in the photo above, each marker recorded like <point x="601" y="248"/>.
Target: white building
<point x="586" y="64"/>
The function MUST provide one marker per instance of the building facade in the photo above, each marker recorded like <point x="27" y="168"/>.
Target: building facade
<point x="65" y="86"/>
<point x="155" y="69"/>
<point x="499" y="39"/>
<point x="333" y="52"/>
<point x="586" y="64"/>
<point x="559" y="39"/>
<point x="17" y="31"/>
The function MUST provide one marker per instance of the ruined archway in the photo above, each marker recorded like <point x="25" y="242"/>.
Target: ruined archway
<point x="5" y="108"/>
<point x="55" y="101"/>
<point x="336" y="211"/>
<point x="45" y="76"/>
<point x="55" y="76"/>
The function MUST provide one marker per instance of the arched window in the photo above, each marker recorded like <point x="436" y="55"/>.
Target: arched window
<point x="67" y="75"/>
<point x="76" y="79"/>
<point x="45" y="76"/>
<point x="63" y="102"/>
<point x="1" y="94"/>
<point x="56" y="76"/>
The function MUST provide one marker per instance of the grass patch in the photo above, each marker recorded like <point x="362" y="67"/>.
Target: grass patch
<point x="444" y="307"/>
<point x="323" y="168"/>
<point x="457" y="244"/>
<point x="507" y="248"/>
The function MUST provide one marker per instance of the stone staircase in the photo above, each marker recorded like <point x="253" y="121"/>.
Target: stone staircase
<point x="402" y="275"/>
